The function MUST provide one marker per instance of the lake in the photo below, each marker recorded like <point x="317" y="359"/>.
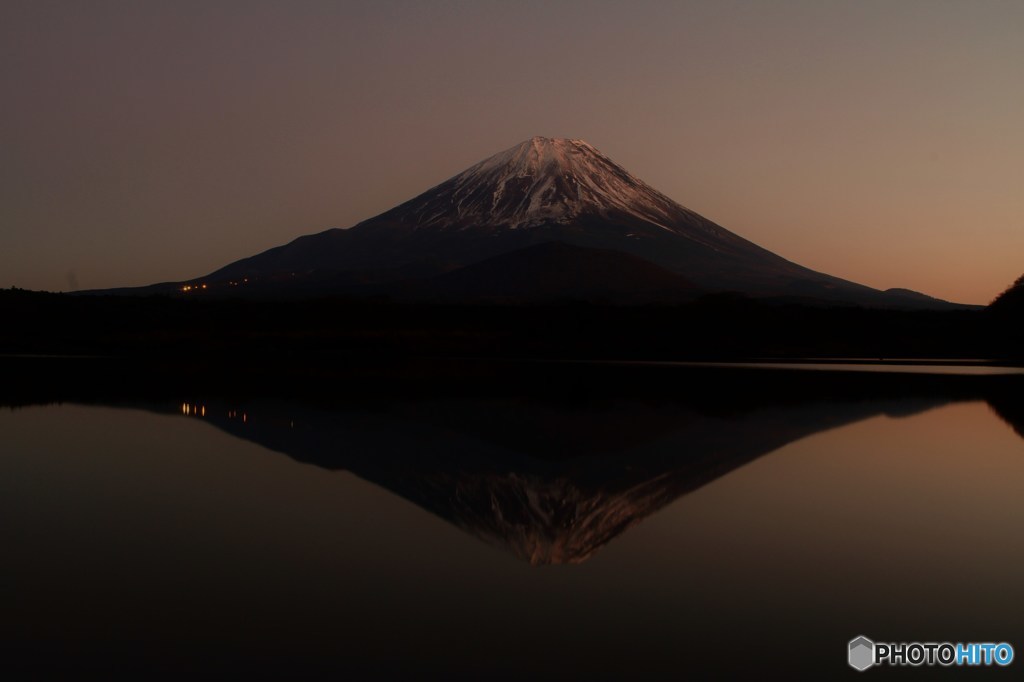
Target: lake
<point x="519" y="522"/>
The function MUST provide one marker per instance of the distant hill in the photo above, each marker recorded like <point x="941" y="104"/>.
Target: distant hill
<point x="1012" y="299"/>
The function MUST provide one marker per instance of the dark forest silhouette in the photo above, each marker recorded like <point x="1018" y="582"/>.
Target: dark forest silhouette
<point x="721" y="326"/>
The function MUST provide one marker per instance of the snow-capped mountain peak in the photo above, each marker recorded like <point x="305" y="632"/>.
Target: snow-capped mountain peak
<point x="539" y="181"/>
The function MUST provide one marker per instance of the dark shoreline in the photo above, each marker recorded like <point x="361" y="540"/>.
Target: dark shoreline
<point x="714" y="328"/>
<point x="339" y="381"/>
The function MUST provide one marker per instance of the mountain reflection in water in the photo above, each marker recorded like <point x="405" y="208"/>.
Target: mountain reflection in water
<point x="553" y="486"/>
<point x="554" y="471"/>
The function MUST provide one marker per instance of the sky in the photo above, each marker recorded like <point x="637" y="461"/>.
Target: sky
<point x="147" y="141"/>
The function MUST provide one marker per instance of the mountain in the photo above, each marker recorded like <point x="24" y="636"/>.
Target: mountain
<point x="540" y="191"/>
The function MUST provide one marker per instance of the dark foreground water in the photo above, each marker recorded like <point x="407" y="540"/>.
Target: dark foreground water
<point x="554" y="531"/>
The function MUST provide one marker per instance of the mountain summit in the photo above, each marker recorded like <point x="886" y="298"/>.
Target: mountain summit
<point x="540" y="191"/>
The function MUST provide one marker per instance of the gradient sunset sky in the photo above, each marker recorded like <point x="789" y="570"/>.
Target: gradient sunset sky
<point x="882" y="142"/>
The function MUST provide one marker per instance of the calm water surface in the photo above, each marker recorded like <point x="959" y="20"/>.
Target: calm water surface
<point x="949" y="368"/>
<point x="467" y="537"/>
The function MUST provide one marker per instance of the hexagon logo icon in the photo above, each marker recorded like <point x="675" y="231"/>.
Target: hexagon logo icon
<point x="862" y="653"/>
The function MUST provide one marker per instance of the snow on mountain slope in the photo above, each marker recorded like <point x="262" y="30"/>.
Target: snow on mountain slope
<point x="541" y="180"/>
<point x="547" y="182"/>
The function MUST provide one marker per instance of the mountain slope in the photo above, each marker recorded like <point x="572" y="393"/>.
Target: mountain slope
<point x="555" y="271"/>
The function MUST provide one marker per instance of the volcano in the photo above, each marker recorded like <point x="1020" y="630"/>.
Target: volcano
<point x="542" y="191"/>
